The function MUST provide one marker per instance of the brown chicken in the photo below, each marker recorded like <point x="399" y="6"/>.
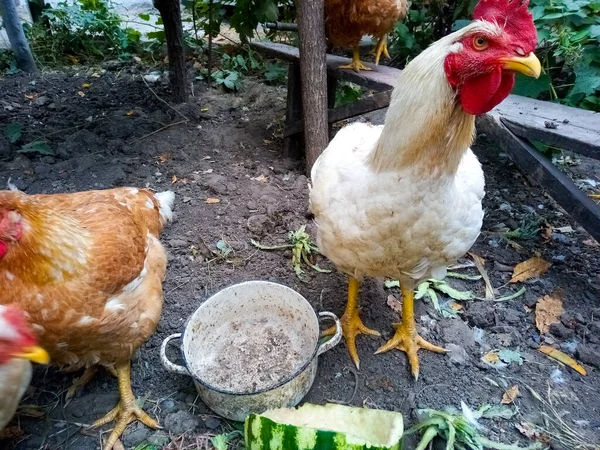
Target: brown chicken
<point x="347" y="21"/>
<point x="88" y="269"/>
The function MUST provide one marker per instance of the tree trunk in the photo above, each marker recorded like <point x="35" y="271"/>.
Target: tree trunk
<point x="313" y="74"/>
<point x="16" y="36"/>
<point x="170" y="11"/>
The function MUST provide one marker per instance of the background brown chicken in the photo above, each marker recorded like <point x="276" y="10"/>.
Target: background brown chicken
<point x="87" y="268"/>
<point x="347" y="21"/>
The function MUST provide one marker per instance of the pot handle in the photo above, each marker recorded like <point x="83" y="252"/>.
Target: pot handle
<point x="168" y="364"/>
<point x="337" y="337"/>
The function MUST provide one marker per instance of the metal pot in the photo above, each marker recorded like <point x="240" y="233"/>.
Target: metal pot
<point x="251" y="347"/>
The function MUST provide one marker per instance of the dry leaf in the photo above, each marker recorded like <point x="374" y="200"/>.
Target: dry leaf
<point x="480" y="264"/>
<point x="164" y="157"/>
<point x="212" y="200"/>
<point x="132" y="112"/>
<point x="267" y="141"/>
<point x="208" y="171"/>
<point x="394" y="303"/>
<point x="563" y="358"/>
<point x="85" y="85"/>
<point x="456" y="306"/>
<point x="531" y="268"/>
<point x="174" y="179"/>
<point x="510" y="395"/>
<point x="81" y="94"/>
<point x="492" y="357"/>
<point x="261" y="178"/>
<point x="547" y="311"/>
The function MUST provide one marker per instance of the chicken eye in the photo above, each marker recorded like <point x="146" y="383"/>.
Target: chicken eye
<point x="480" y="43"/>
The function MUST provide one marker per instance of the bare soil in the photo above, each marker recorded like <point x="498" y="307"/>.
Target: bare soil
<point x="116" y="132"/>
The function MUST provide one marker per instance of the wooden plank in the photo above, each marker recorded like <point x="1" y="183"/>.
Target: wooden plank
<point x="313" y="77"/>
<point x="576" y="129"/>
<point x="540" y="171"/>
<point x="381" y="78"/>
<point x="379" y="100"/>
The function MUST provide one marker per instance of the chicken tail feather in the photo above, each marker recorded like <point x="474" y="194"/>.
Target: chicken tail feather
<point x="165" y="202"/>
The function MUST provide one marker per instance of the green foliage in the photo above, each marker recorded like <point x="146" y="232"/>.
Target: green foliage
<point x="347" y="92"/>
<point x="14" y="131"/>
<point x="234" y="67"/>
<point x="569" y="48"/>
<point x="83" y="31"/>
<point x="427" y="22"/>
<point x="247" y="14"/>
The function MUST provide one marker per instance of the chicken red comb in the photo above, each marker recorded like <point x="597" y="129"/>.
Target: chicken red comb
<point x="513" y="16"/>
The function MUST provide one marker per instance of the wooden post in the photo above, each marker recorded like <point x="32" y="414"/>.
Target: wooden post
<point x="313" y="74"/>
<point x="16" y="36"/>
<point x="170" y="11"/>
<point x="292" y="145"/>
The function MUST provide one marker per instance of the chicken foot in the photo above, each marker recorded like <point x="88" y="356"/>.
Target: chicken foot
<point x="352" y="326"/>
<point x="381" y="49"/>
<point x="126" y="411"/>
<point x="406" y="338"/>
<point x="356" y="64"/>
<point x="80" y="382"/>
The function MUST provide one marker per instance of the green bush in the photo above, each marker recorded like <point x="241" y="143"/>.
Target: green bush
<point x="569" y="48"/>
<point x="84" y="31"/>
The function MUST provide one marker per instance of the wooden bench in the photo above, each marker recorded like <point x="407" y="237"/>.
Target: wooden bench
<point x="512" y="124"/>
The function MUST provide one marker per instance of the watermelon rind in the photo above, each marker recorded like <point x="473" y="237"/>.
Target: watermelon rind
<point x="329" y="427"/>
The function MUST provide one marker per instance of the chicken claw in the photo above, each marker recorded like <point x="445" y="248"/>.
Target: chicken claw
<point x="380" y="49"/>
<point x="356" y="64"/>
<point x="126" y="411"/>
<point x="352" y="326"/>
<point x="80" y="382"/>
<point x="406" y="338"/>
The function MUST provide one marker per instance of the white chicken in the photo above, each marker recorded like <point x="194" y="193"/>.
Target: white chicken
<point x="18" y="346"/>
<point x="403" y="200"/>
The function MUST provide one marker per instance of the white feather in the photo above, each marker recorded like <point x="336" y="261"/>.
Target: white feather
<point x="165" y="202"/>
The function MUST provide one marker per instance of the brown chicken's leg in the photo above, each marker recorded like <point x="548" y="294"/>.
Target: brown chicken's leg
<point x="126" y="411"/>
<point x="80" y="382"/>
<point x="406" y="338"/>
<point x="356" y="64"/>
<point x="351" y="323"/>
<point x="381" y="48"/>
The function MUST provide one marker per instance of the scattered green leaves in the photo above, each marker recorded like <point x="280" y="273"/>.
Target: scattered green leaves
<point x="222" y="441"/>
<point x="13" y="132"/>
<point x="459" y="430"/>
<point x="39" y="147"/>
<point x="302" y="248"/>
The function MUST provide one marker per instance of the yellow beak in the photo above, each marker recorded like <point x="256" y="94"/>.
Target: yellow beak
<point x="35" y="354"/>
<point x="528" y="65"/>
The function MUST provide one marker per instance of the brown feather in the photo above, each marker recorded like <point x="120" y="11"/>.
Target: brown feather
<point x="347" y="21"/>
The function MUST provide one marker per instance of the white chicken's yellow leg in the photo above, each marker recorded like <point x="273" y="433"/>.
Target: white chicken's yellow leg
<point x="406" y="338"/>
<point x="381" y="48"/>
<point x="351" y="323"/>
<point x="126" y="411"/>
<point x="356" y="64"/>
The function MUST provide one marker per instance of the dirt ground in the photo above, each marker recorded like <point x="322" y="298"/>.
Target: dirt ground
<point x="116" y="132"/>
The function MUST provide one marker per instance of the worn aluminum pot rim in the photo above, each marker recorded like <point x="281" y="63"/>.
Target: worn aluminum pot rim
<point x="313" y="358"/>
